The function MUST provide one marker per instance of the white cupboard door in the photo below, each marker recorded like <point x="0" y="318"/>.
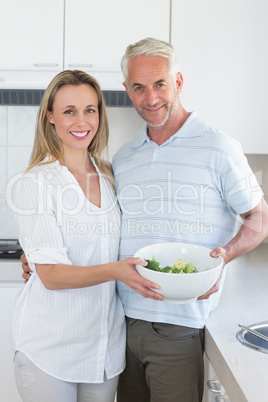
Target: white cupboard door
<point x="31" y="35"/>
<point x="98" y="32"/>
<point x="222" y="47"/>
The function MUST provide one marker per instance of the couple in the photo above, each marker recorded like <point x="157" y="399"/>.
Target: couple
<point x="69" y="322"/>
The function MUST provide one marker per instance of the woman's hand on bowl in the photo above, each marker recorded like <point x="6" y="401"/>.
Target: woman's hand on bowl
<point x="126" y="273"/>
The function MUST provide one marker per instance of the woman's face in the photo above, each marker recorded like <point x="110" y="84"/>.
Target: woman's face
<point x="75" y="116"/>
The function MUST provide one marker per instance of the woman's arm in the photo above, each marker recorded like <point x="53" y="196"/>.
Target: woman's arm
<point x="61" y="276"/>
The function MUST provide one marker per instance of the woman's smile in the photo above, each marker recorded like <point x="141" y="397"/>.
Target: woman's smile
<point x="80" y="135"/>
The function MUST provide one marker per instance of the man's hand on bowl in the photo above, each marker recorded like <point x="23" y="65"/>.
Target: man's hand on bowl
<point x="217" y="252"/>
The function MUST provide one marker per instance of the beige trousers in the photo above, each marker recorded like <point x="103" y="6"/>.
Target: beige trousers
<point x="36" y="386"/>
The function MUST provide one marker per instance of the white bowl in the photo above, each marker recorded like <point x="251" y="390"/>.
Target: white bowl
<point x="181" y="288"/>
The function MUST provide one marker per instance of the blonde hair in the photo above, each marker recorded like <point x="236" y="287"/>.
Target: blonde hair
<point x="150" y="47"/>
<point x="47" y="142"/>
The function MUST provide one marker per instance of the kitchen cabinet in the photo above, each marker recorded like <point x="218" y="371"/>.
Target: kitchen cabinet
<point x="8" y="294"/>
<point x="74" y="34"/>
<point x="213" y="390"/>
<point x="223" y="58"/>
<point x="106" y="28"/>
<point x="31" y="35"/>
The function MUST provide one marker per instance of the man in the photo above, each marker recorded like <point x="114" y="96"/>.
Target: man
<point x="177" y="180"/>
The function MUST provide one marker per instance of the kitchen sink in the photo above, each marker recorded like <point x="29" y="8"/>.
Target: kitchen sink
<point x="252" y="341"/>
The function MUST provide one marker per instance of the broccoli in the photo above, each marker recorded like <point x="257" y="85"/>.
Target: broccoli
<point x="178" y="266"/>
<point x="167" y="269"/>
<point x="190" y="268"/>
<point x="153" y="264"/>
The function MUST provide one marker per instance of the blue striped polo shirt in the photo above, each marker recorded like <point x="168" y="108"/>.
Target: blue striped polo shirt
<point x="190" y="189"/>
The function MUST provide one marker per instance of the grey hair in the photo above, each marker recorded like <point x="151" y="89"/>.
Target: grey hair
<point x="150" y="47"/>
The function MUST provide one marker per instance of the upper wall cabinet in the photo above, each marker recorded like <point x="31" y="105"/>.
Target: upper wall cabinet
<point x="222" y="48"/>
<point x="98" y="32"/>
<point x="51" y="35"/>
<point x="31" y="35"/>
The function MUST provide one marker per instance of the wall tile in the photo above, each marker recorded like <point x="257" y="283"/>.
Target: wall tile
<point x="17" y="160"/>
<point x="259" y="166"/>
<point x="8" y="224"/>
<point x="124" y="124"/>
<point x="21" y="125"/>
<point x="3" y="125"/>
<point x="3" y="219"/>
<point x="3" y="170"/>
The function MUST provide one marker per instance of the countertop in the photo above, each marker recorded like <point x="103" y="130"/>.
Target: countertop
<point x="242" y="371"/>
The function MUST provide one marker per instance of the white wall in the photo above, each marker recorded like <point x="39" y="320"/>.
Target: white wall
<point x="222" y="48"/>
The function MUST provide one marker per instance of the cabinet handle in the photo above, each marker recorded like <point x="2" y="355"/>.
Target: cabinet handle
<point x="45" y="64"/>
<point x="214" y="386"/>
<point x="220" y="398"/>
<point x="80" y="65"/>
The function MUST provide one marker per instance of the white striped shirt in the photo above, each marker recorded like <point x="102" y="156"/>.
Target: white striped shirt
<point x="189" y="189"/>
<point x="75" y="335"/>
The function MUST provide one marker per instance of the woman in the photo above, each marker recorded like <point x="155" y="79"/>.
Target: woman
<point x="68" y="323"/>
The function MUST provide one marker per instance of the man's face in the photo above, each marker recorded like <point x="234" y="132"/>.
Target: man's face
<point x="153" y="89"/>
